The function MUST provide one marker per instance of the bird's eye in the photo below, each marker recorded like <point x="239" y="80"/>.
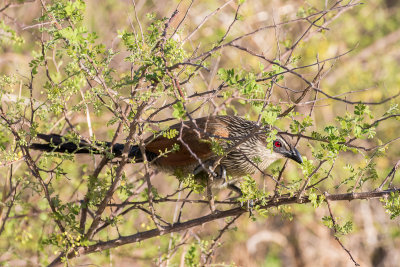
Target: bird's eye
<point x="277" y="144"/>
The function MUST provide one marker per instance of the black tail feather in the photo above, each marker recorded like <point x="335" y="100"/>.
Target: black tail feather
<point x="58" y="143"/>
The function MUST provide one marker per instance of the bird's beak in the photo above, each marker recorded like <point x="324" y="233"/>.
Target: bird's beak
<point x="295" y="155"/>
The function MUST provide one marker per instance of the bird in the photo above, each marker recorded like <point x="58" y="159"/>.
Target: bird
<point x="237" y="146"/>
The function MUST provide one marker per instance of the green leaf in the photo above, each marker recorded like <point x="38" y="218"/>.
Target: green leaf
<point x="392" y="204"/>
<point x="179" y="110"/>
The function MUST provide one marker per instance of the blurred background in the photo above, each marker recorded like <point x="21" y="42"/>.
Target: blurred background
<point x="370" y="31"/>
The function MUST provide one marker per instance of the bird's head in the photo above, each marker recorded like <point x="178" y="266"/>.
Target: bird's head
<point x="285" y="149"/>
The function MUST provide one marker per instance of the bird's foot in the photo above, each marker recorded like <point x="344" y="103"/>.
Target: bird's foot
<point x="249" y="206"/>
<point x="218" y="173"/>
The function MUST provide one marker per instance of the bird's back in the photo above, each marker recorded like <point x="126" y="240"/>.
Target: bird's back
<point x="200" y="140"/>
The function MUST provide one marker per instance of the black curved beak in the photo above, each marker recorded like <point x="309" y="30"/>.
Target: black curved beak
<point x="295" y="155"/>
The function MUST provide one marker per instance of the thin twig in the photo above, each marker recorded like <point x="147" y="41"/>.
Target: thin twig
<point x="335" y="230"/>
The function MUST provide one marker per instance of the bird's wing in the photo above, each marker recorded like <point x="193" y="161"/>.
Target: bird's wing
<point x="194" y="139"/>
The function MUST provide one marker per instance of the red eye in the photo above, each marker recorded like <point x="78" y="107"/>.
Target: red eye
<point x="277" y="144"/>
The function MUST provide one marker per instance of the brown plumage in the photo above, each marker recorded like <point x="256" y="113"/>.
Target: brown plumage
<point x="195" y="149"/>
<point x="194" y="135"/>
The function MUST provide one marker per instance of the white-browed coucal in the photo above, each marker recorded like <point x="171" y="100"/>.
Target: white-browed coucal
<point x="244" y="143"/>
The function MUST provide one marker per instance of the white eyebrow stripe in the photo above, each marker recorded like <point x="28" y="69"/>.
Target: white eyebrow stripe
<point x="287" y="145"/>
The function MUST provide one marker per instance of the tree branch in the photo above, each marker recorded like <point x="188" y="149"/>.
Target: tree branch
<point x="138" y="237"/>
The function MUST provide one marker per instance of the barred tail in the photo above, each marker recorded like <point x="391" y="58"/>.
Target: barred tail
<point x="57" y="143"/>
